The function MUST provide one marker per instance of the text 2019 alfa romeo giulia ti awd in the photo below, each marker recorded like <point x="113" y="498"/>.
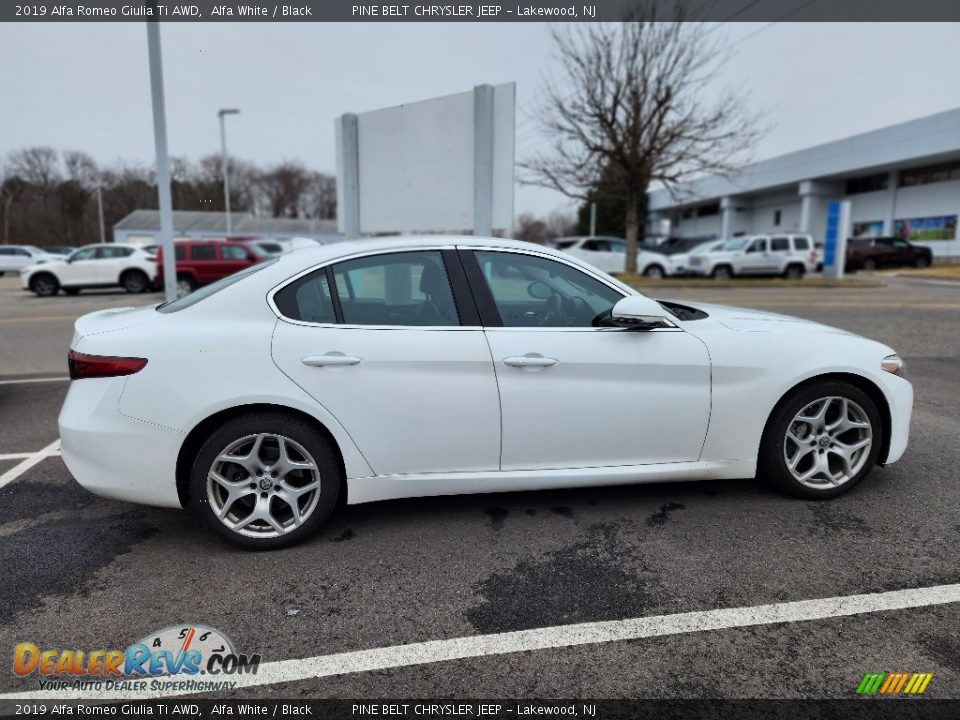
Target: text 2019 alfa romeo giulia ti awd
<point x="399" y="367"/>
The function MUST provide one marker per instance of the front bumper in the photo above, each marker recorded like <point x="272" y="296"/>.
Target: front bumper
<point x="899" y="394"/>
<point x="113" y="455"/>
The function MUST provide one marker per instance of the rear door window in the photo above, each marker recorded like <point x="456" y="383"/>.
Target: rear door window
<point x="780" y="244"/>
<point x="233" y="252"/>
<point x="203" y="252"/>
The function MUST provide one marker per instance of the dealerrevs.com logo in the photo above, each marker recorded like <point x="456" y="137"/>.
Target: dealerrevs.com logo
<point x="171" y="658"/>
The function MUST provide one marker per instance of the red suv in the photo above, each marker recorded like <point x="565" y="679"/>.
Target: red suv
<point x="202" y="262"/>
<point x="870" y="253"/>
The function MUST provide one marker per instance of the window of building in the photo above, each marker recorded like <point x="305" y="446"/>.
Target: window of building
<point x="777" y="217"/>
<point x="868" y="183"/>
<point x="942" y="227"/>
<point x="708" y="210"/>
<point x="930" y="174"/>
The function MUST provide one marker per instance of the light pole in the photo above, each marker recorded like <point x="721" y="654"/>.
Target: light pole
<point x="103" y="232"/>
<point x="163" y="165"/>
<point x="223" y="158"/>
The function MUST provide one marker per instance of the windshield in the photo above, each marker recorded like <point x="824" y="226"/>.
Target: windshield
<point x="735" y="244"/>
<point x="208" y="290"/>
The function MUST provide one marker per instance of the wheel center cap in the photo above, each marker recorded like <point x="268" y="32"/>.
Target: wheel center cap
<point x="824" y="441"/>
<point x="266" y="483"/>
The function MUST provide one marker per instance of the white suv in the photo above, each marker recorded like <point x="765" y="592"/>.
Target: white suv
<point x="789" y="255"/>
<point x="93" y="266"/>
<point x="609" y="254"/>
<point x="13" y="258"/>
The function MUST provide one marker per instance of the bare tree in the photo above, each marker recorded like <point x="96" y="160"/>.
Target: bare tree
<point x="284" y="186"/>
<point x="634" y="109"/>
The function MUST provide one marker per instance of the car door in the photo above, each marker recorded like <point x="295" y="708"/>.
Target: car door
<point x="203" y="260"/>
<point x="234" y="258"/>
<point x="754" y="257"/>
<point x="391" y="345"/>
<point x="903" y="253"/>
<point x="8" y="260"/>
<point x="82" y="267"/>
<point x="111" y="262"/>
<point x="574" y="391"/>
<point x="779" y="255"/>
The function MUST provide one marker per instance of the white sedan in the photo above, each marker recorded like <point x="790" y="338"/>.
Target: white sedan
<point x="610" y="253"/>
<point x="390" y="368"/>
<point x="93" y="266"/>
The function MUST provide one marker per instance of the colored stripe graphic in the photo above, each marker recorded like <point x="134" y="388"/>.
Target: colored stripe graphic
<point x="894" y="683"/>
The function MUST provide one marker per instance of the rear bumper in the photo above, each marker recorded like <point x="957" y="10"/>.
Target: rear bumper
<point x="113" y="455"/>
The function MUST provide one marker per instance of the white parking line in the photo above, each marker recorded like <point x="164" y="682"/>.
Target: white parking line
<point x="29" y="461"/>
<point x="21" y="456"/>
<point x="399" y="656"/>
<point x="33" y="380"/>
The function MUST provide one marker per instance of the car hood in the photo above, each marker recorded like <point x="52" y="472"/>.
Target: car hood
<point x="747" y="320"/>
<point x="104" y="321"/>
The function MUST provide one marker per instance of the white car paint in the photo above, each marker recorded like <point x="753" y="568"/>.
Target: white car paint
<point x="432" y="410"/>
<point x="92" y="266"/>
<point x="13" y="258"/>
<point x="769" y="254"/>
<point x="609" y="255"/>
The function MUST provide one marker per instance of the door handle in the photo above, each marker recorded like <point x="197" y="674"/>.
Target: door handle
<point x="527" y="361"/>
<point x="330" y="359"/>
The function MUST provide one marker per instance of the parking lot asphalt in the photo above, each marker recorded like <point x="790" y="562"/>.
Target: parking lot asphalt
<point x="84" y="572"/>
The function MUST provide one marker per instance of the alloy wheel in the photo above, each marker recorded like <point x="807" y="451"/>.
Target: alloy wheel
<point x="183" y="288"/>
<point x="828" y="442"/>
<point x="264" y="485"/>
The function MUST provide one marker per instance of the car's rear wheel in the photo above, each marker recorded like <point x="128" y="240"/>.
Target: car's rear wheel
<point x="185" y="286"/>
<point x="654" y="271"/>
<point x="794" y="272"/>
<point x="869" y="264"/>
<point x="722" y="272"/>
<point x="265" y="481"/>
<point x="44" y="284"/>
<point x="921" y="262"/>
<point x="821" y="440"/>
<point x="135" y="281"/>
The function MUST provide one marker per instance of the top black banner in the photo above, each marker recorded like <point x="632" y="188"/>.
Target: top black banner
<point x="484" y="11"/>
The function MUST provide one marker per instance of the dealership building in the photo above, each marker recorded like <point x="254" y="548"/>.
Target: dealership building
<point x="901" y="180"/>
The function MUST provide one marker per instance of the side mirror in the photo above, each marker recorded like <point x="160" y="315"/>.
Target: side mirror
<point x="638" y="312"/>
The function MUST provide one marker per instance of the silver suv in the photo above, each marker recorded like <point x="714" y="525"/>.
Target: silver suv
<point x="790" y="255"/>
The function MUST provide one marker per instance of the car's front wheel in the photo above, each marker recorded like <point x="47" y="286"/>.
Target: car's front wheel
<point x="265" y="481"/>
<point x="821" y="440"/>
<point x="44" y="284"/>
<point x="654" y="271"/>
<point x="869" y="264"/>
<point x="921" y="262"/>
<point x="722" y="272"/>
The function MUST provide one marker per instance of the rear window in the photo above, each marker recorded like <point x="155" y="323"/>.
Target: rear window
<point x="211" y="289"/>
<point x="801" y="243"/>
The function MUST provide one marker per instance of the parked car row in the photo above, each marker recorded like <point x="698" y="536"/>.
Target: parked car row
<point x="136" y="268"/>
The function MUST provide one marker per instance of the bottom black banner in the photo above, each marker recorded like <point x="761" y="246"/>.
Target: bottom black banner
<point x="866" y="709"/>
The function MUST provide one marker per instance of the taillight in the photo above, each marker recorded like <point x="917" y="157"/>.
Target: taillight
<point x="101" y="366"/>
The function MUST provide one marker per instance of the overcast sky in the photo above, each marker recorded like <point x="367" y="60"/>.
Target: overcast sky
<point x="86" y="86"/>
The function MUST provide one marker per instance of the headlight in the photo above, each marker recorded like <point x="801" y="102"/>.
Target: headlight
<point x="894" y="364"/>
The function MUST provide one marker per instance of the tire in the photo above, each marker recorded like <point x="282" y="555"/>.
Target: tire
<point x="185" y="285"/>
<point x="794" y="272"/>
<point x="71" y="291"/>
<point x="868" y="264"/>
<point x="921" y="262"/>
<point x="654" y="271"/>
<point x="777" y="450"/>
<point x="722" y="272"/>
<point x="44" y="284"/>
<point x="135" y="281"/>
<point x="251" y="483"/>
